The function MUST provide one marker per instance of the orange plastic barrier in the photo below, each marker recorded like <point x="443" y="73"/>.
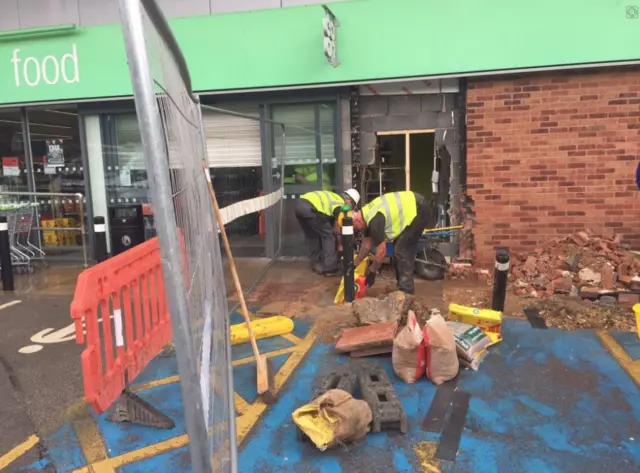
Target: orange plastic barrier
<point x="128" y="292"/>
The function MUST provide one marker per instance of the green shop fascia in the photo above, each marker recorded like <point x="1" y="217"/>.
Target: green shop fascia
<point x="376" y="40"/>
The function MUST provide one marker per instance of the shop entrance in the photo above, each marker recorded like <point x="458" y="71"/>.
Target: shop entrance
<point x="406" y="161"/>
<point x="42" y="184"/>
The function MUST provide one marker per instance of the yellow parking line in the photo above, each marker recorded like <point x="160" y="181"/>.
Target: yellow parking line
<point x="156" y="383"/>
<point x="241" y="405"/>
<point x="628" y="364"/>
<point x="292" y="338"/>
<point x="92" y="443"/>
<point x="271" y="354"/>
<point x="244" y="422"/>
<point x="426" y="452"/>
<point x="17" y="451"/>
<point x="136" y="455"/>
<point x="242" y="361"/>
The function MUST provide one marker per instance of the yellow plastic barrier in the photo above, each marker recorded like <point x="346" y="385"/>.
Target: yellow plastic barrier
<point x="262" y="328"/>
<point x="489" y="321"/>
<point x="636" y="309"/>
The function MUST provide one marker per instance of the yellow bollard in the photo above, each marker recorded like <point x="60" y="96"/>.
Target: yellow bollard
<point x="262" y="328"/>
<point x="636" y="310"/>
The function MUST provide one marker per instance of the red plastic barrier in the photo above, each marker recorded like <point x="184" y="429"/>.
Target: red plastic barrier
<point x="129" y="288"/>
<point x="262" y="228"/>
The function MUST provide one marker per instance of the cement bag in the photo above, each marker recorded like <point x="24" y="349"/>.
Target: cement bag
<point x="470" y="340"/>
<point x="442" y="359"/>
<point x="474" y="363"/>
<point x="408" y="356"/>
<point x="334" y="418"/>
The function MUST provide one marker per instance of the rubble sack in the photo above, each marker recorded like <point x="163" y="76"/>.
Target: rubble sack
<point x="334" y="418"/>
<point x="408" y="355"/>
<point x="442" y="359"/>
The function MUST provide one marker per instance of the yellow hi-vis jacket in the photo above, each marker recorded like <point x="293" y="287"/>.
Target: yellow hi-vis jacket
<point x="324" y="201"/>
<point x="399" y="210"/>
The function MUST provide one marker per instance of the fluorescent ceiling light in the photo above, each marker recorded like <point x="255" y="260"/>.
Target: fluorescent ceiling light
<point x="61" y="112"/>
<point x="36" y="124"/>
<point x="49" y="135"/>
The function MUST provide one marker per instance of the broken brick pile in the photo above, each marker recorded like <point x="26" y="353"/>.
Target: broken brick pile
<point x="582" y="264"/>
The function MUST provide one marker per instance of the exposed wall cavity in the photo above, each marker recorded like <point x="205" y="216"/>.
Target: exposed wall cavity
<point x="442" y="111"/>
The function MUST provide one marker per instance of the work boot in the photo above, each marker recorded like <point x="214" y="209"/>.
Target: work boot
<point x="317" y="268"/>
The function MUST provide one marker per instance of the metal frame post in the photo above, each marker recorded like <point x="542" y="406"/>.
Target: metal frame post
<point x="6" y="269"/>
<point x="156" y="159"/>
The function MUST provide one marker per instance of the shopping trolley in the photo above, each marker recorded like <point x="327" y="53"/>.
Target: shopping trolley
<point x="20" y="218"/>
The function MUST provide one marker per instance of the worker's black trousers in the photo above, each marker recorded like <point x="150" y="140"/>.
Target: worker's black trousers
<point x="318" y="231"/>
<point x="405" y="246"/>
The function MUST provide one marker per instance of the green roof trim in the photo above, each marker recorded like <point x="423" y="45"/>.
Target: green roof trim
<point x="377" y="39"/>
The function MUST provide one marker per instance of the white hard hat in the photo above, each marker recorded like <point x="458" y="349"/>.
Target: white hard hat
<point x="354" y="195"/>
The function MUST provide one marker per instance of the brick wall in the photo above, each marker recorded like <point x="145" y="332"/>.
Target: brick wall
<point x="549" y="154"/>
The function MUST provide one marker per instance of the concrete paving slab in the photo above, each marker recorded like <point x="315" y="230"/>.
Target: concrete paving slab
<point x="369" y="336"/>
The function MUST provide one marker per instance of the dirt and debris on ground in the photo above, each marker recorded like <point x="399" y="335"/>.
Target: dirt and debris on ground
<point x="561" y="311"/>
<point x="316" y="300"/>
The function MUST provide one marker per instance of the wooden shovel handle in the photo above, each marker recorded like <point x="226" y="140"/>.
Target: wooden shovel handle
<point x="232" y="264"/>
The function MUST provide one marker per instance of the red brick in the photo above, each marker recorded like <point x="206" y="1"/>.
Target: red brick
<point x="628" y="300"/>
<point x="568" y="158"/>
<point x="587" y="292"/>
<point x="370" y="336"/>
<point x="580" y="238"/>
<point x="608" y="277"/>
<point x="624" y="279"/>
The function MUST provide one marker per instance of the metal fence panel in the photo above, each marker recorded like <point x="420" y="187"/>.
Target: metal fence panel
<point x="171" y="129"/>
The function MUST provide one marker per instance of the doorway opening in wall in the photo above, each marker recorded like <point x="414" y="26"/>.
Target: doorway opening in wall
<point x="406" y="160"/>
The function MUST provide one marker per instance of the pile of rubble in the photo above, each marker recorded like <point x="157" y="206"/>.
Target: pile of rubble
<point x="392" y="307"/>
<point x="582" y="264"/>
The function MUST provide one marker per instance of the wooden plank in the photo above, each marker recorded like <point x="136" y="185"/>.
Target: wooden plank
<point x="368" y="336"/>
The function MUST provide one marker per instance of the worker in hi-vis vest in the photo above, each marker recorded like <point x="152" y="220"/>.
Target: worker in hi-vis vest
<point x="309" y="175"/>
<point x="398" y="217"/>
<point x="316" y="212"/>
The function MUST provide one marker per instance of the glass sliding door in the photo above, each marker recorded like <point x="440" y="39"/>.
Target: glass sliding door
<point x="56" y="151"/>
<point x="310" y="160"/>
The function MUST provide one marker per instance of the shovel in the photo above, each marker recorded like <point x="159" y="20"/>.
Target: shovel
<point x="265" y="375"/>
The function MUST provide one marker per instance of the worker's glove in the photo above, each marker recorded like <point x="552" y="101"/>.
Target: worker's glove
<point x="370" y="278"/>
